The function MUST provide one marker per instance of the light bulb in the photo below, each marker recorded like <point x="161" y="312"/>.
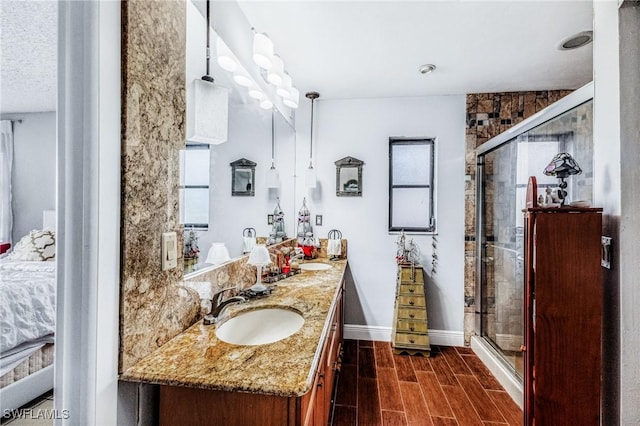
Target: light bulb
<point x="293" y="100"/>
<point x="274" y="76"/>
<point x="284" y="89"/>
<point x="241" y="76"/>
<point x="226" y="59"/>
<point x="256" y="93"/>
<point x="266" y="104"/>
<point x="262" y="51"/>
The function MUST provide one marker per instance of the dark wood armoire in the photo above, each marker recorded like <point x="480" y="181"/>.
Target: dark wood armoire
<point x="563" y="315"/>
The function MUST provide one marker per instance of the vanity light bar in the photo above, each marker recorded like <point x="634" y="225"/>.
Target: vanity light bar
<point x="265" y="58"/>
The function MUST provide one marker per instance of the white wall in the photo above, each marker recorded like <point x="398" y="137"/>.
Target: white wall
<point x="34" y="170"/>
<point x="361" y="128"/>
<point x="629" y="297"/>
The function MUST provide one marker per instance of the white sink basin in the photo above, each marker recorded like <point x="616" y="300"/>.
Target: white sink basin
<point x="314" y="266"/>
<point x="260" y="327"/>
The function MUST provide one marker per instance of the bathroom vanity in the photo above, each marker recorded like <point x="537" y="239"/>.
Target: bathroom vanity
<point x="204" y="380"/>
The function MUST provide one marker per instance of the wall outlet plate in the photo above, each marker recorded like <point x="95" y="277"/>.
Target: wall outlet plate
<point x="318" y="220"/>
<point x="169" y="250"/>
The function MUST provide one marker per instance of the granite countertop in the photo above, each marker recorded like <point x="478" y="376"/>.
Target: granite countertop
<point x="197" y="358"/>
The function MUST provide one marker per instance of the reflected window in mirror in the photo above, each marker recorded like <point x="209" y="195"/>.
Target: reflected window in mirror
<point x="349" y="177"/>
<point x="243" y="177"/>
<point x="411" y="185"/>
<point x="194" y="186"/>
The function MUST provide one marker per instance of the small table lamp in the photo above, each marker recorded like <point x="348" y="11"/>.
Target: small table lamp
<point x="259" y="257"/>
<point x="562" y="166"/>
<point x="218" y="253"/>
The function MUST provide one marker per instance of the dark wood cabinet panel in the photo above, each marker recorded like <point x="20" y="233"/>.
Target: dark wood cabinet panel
<point x="563" y="316"/>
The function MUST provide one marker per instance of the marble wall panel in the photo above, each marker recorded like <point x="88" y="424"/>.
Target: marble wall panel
<point x="153" y="308"/>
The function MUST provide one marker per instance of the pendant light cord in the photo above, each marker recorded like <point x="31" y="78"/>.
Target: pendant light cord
<point x="311" y="144"/>
<point x="207" y="77"/>
<point x="273" y="137"/>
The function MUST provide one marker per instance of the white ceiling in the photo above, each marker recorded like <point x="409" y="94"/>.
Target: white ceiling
<point x="355" y="49"/>
<point x="28" y="68"/>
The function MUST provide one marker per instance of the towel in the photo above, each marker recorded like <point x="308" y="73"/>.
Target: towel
<point x="334" y="247"/>
<point x="248" y="244"/>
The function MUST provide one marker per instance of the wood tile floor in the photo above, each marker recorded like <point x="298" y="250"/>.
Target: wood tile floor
<point x="452" y="387"/>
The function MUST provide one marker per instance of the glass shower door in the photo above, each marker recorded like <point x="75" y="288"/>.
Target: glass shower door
<point x="503" y="175"/>
<point x="502" y="255"/>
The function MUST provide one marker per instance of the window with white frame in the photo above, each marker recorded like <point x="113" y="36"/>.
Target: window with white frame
<point x="194" y="186"/>
<point x="411" y="185"/>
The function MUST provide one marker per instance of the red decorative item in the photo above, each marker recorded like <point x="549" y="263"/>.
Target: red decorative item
<point x="4" y="247"/>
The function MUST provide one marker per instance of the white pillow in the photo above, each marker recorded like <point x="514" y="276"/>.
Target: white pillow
<point x="37" y="245"/>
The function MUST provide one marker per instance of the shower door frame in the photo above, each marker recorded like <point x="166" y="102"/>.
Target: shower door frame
<point x="574" y="99"/>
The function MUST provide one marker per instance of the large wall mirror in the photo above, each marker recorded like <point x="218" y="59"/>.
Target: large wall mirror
<point x="240" y="199"/>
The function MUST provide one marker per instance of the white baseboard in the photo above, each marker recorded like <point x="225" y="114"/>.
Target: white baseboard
<point x="367" y="332"/>
<point x="383" y="334"/>
<point x="504" y="376"/>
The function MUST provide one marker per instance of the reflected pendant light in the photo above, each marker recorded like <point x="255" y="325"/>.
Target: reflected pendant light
<point x="208" y="110"/>
<point x="274" y="76"/>
<point x="273" y="178"/>
<point x="226" y="59"/>
<point x="293" y="100"/>
<point x="262" y="51"/>
<point x="311" y="178"/>
<point x="284" y="90"/>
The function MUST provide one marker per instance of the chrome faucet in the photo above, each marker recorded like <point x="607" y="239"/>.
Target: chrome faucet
<point x="298" y="254"/>
<point x="218" y="304"/>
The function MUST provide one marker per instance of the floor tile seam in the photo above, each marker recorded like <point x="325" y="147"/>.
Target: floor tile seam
<point x="471" y="402"/>
<point x="441" y="391"/>
<point x="468" y="400"/>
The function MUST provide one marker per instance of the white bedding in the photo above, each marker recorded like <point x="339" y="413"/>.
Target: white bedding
<point x="27" y="302"/>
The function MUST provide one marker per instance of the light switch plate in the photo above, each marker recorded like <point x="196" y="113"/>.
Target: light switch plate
<point x="169" y="250"/>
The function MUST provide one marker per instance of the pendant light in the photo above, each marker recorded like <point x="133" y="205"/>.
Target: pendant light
<point x="311" y="178"/>
<point x="208" y="111"/>
<point x="273" y="178"/>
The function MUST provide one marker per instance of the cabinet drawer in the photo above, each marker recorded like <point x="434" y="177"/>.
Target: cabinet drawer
<point x="408" y="313"/>
<point x="405" y="275"/>
<point x="410" y="289"/>
<point x="406" y="301"/>
<point x="413" y="326"/>
<point x="408" y="339"/>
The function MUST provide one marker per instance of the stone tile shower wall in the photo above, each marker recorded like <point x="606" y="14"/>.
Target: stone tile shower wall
<point x="153" y="308"/>
<point x="488" y="115"/>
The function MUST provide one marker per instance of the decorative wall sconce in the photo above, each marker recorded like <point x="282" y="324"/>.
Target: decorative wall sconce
<point x="349" y="177"/>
